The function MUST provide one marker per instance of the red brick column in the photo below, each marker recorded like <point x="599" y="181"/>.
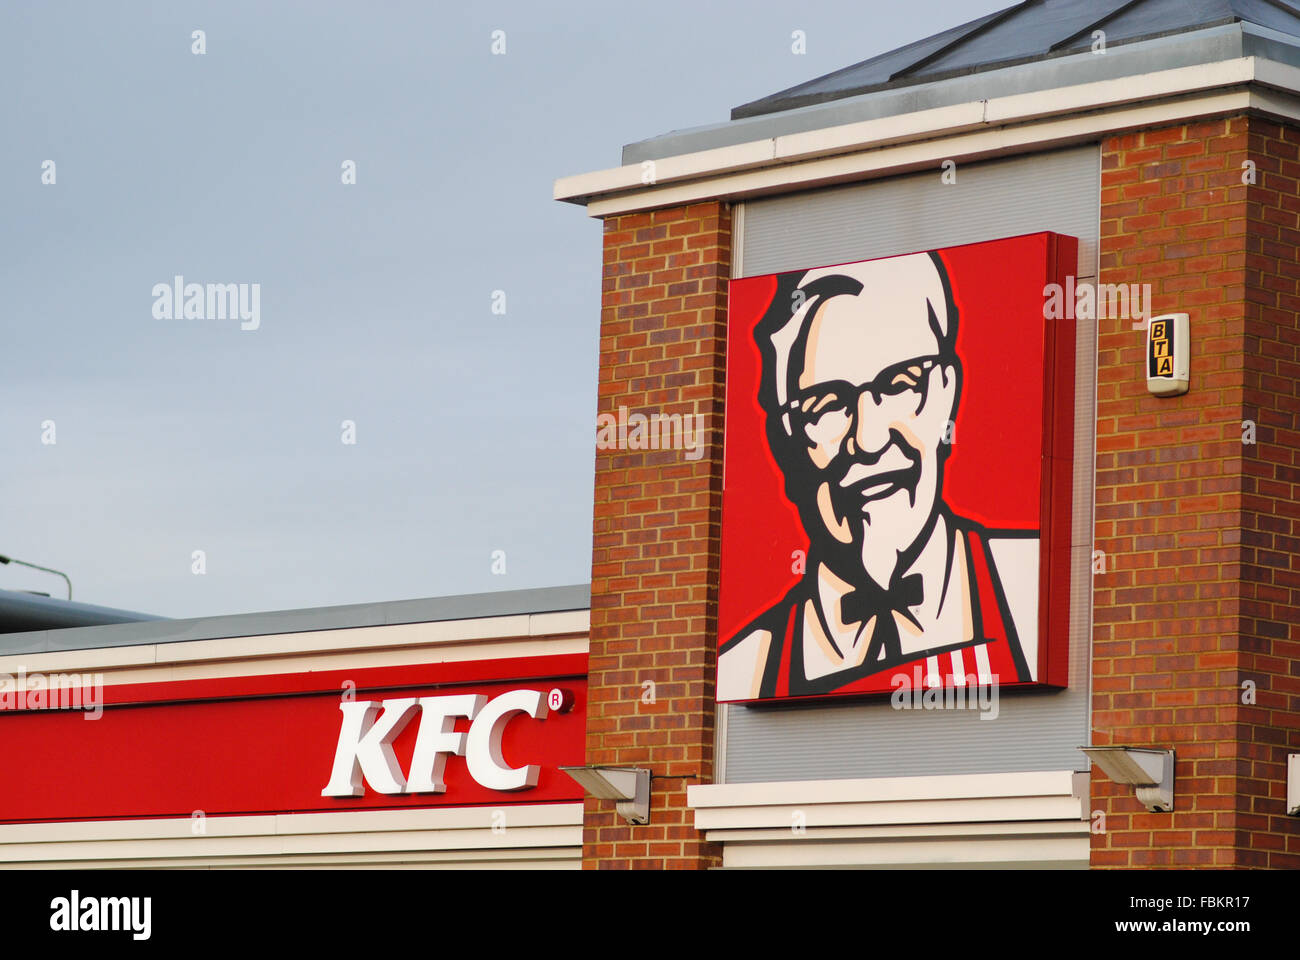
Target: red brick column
<point x="1270" y="538"/>
<point x="656" y="531"/>
<point x="1199" y="529"/>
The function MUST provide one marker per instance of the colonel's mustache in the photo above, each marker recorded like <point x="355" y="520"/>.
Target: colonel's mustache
<point x="858" y="480"/>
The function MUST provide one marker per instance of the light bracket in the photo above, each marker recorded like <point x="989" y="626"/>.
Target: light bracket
<point x="1150" y="771"/>
<point x="629" y="786"/>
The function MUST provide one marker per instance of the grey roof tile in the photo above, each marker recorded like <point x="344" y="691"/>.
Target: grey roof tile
<point x="1030" y="30"/>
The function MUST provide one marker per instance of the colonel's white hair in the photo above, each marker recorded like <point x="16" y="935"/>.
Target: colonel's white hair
<point x="891" y="285"/>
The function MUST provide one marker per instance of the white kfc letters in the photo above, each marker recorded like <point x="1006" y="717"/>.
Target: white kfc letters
<point x="369" y="727"/>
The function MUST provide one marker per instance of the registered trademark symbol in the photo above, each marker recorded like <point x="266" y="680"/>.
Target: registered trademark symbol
<point x="559" y="701"/>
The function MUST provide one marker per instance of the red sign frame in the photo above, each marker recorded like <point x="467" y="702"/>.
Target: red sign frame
<point x="1019" y="373"/>
<point x="265" y="744"/>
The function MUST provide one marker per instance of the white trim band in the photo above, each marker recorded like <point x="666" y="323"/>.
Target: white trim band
<point x="443" y="641"/>
<point x="548" y="834"/>
<point x="1020" y="819"/>
<point x="970" y="131"/>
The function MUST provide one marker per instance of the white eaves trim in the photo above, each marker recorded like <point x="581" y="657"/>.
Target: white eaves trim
<point x="480" y="638"/>
<point x="974" y="130"/>
<point x="1006" y="819"/>
<point x="883" y="789"/>
<point x="547" y="835"/>
<point x="971" y="852"/>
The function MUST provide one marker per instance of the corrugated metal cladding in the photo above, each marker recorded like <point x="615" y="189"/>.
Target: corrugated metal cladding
<point x="1035" y="730"/>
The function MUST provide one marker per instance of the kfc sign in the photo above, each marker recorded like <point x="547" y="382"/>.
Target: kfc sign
<point x="463" y="733"/>
<point x="897" y="474"/>
<point x="369" y="727"/>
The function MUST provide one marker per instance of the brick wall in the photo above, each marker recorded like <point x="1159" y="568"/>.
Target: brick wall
<point x="656" y="530"/>
<point x="1199" y="529"/>
<point x="1270" y="537"/>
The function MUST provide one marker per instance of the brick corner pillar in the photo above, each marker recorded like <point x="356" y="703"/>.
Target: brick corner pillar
<point x="1268" y="678"/>
<point x="656" y="526"/>
<point x="1195" y="641"/>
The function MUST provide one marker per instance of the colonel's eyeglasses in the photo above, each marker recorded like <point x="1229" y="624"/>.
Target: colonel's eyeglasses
<point x="910" y="377"/>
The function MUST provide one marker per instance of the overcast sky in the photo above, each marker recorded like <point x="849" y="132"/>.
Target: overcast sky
<point x="474" y="430"/>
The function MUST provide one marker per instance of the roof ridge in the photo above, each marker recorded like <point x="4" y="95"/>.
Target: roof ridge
<point x="1280" y="4"/>
<point x="968" y="27"/>
<point x="988" y="23"/>
<point x="1088" y="30"/>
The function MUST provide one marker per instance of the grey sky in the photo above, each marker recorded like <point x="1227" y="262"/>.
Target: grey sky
<point x="475" y="432"/>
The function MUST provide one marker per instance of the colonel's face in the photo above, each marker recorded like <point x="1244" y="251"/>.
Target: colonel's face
<point x="872" y="393"/>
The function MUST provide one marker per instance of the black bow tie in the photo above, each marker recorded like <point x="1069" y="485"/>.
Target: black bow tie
<point x="860" y="605"/>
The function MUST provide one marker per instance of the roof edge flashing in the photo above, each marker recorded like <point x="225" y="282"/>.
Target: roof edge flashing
<point x="1257" y="39"/>
<point x="1228" y="41"/>
<point x="829" y="152"/>
<point x="473" y="606"/>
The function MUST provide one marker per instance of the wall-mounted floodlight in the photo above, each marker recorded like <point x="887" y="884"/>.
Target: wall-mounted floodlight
<point x="1151" y="771"/>
<point x="630" y="786"/>
<point x="1293" y="785"/>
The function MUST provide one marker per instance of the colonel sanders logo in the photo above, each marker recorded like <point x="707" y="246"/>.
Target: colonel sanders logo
<point x="860" y="388"/>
